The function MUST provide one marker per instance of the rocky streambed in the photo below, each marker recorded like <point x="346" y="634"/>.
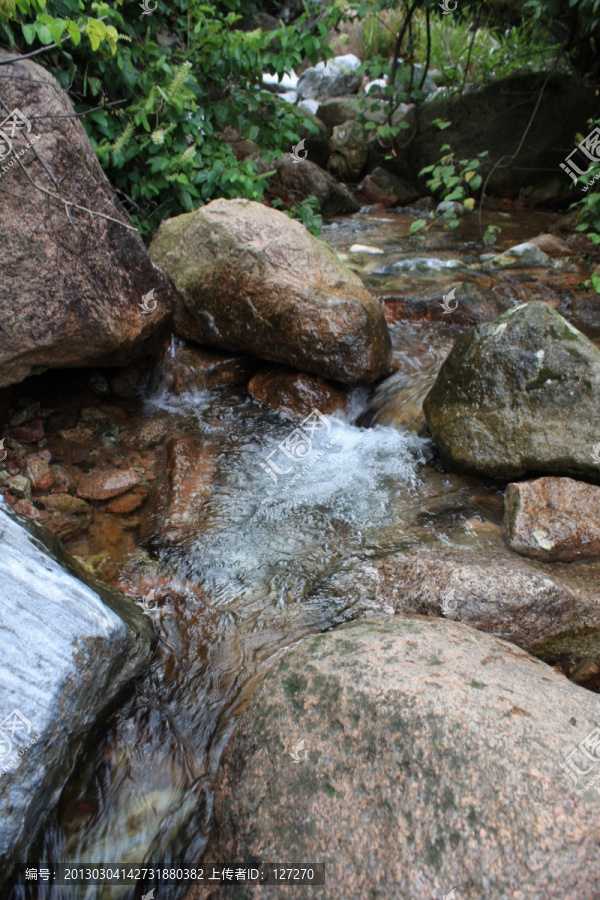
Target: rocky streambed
<point x="167" y="480"/>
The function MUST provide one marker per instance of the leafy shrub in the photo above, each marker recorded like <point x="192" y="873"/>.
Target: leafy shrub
<point x="159" y="91"/>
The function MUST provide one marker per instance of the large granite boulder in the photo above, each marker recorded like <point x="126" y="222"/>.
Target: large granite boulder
<point x="72" y="283"/>
<point x="68" y="645"/>
<point x="414" y="758"/>
<point x="254" y="281"/>
<point x="518" y="395"/>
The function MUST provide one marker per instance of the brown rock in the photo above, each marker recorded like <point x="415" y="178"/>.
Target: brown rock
<point x="381" y="187"/>
<point x="76" y="435"/>
<point x="553" y="519"/>
<point x="143" y="433"/>
<point x="62" y="479"/>
<point x="294" y="182"/>
<point x="181" y="491"/>
<point x="30" y="433"/>
<point x="521" y="600"/>
<point x="38" y="471"/>
<point x="187" y="367"/>
<point x="126" y="503"/>
<point x="551" y="245"/>
<point x="83" y="309"/>
<point x="254" y="281"/>
<point x="386" y="749"/>
<point x="65" y="503"/>
<point x="104" y="483"/>
<point x="295" y="393"/>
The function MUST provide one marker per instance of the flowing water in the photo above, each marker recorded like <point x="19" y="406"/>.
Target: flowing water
<point x="258" y="577"/>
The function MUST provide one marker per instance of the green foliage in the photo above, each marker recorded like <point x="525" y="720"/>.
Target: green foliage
<point x="176" y="82"/>
<point x="47" y="29"/>
<point x="454" y="180"/>
<point x="307" y="211"/>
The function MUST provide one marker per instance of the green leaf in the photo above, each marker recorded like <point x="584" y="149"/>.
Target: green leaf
<point x="596" y="281"/>
<point x="417" y="226"/>
<point x="29" y="33"/>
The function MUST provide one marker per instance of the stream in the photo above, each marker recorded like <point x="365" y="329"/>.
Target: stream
<point x="263" y="566"/>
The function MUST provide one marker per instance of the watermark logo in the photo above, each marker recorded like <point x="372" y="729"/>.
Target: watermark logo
<point x="299" y="752"/>
<point x="451" y="895"/>
<point x="449" y="604"/>
<point x="13" y="126"/>
<point x="297" y="445"/>
<point x="14" y="730"/>
<point x="447" y="10"/>
<point x="595" y="454"/>
<point x="446" y="303"/>
<point x="15" y="123"/>
<point x="148" y="601"/>
<point x="4" y="453"/>
<point x="296" y="158"/>
<point x="149" y="895"/>
<point x="147" y="303"/>
<point x="589" y="756"/>
<point x="590" y="149"/>
<point x="13" y="723"/>
<point x="148" y="10"/>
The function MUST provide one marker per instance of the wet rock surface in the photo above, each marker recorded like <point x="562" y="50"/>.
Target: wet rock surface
<point x="69" y="645"/>
<point x="390" y="761"/>
<point x="498" y="592"/>
<point x="295" y="394"/>
<point x="177" y="507"/>
<point x="553" y="519"/>
<point x="517" y="396"/>
<point x="83" y="310"/>
<point x="186" y="367"/>
<point x="253" y="281"/>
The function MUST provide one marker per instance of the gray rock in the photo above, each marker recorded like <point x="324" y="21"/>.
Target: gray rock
<point x="429" y="760"/>
<point x="348" y="151"/>
<point x="450" y="206"/>
<point x="20" y="487"/>
<point x="336" y="76"/>
<point x="309" y="106"/>
<point x="522" y="256"/>
<point x="518" y="395"/>
<point x="68" y="645"/>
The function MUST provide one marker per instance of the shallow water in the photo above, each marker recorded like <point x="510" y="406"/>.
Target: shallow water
<point x="260" y="576"/>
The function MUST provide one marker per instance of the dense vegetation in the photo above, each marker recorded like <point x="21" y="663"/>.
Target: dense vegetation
<point x="159" y="91"/>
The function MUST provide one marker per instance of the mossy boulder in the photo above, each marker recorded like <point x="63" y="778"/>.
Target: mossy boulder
<point x="253" y="281"/>
<point x="414" y="758"/>
<point x="519" y="395"/>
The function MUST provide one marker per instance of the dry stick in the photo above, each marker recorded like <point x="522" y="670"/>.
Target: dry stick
<point x="501" y="163"/>
<point x="462" y="87"/>
<point x="428" y="54"/>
